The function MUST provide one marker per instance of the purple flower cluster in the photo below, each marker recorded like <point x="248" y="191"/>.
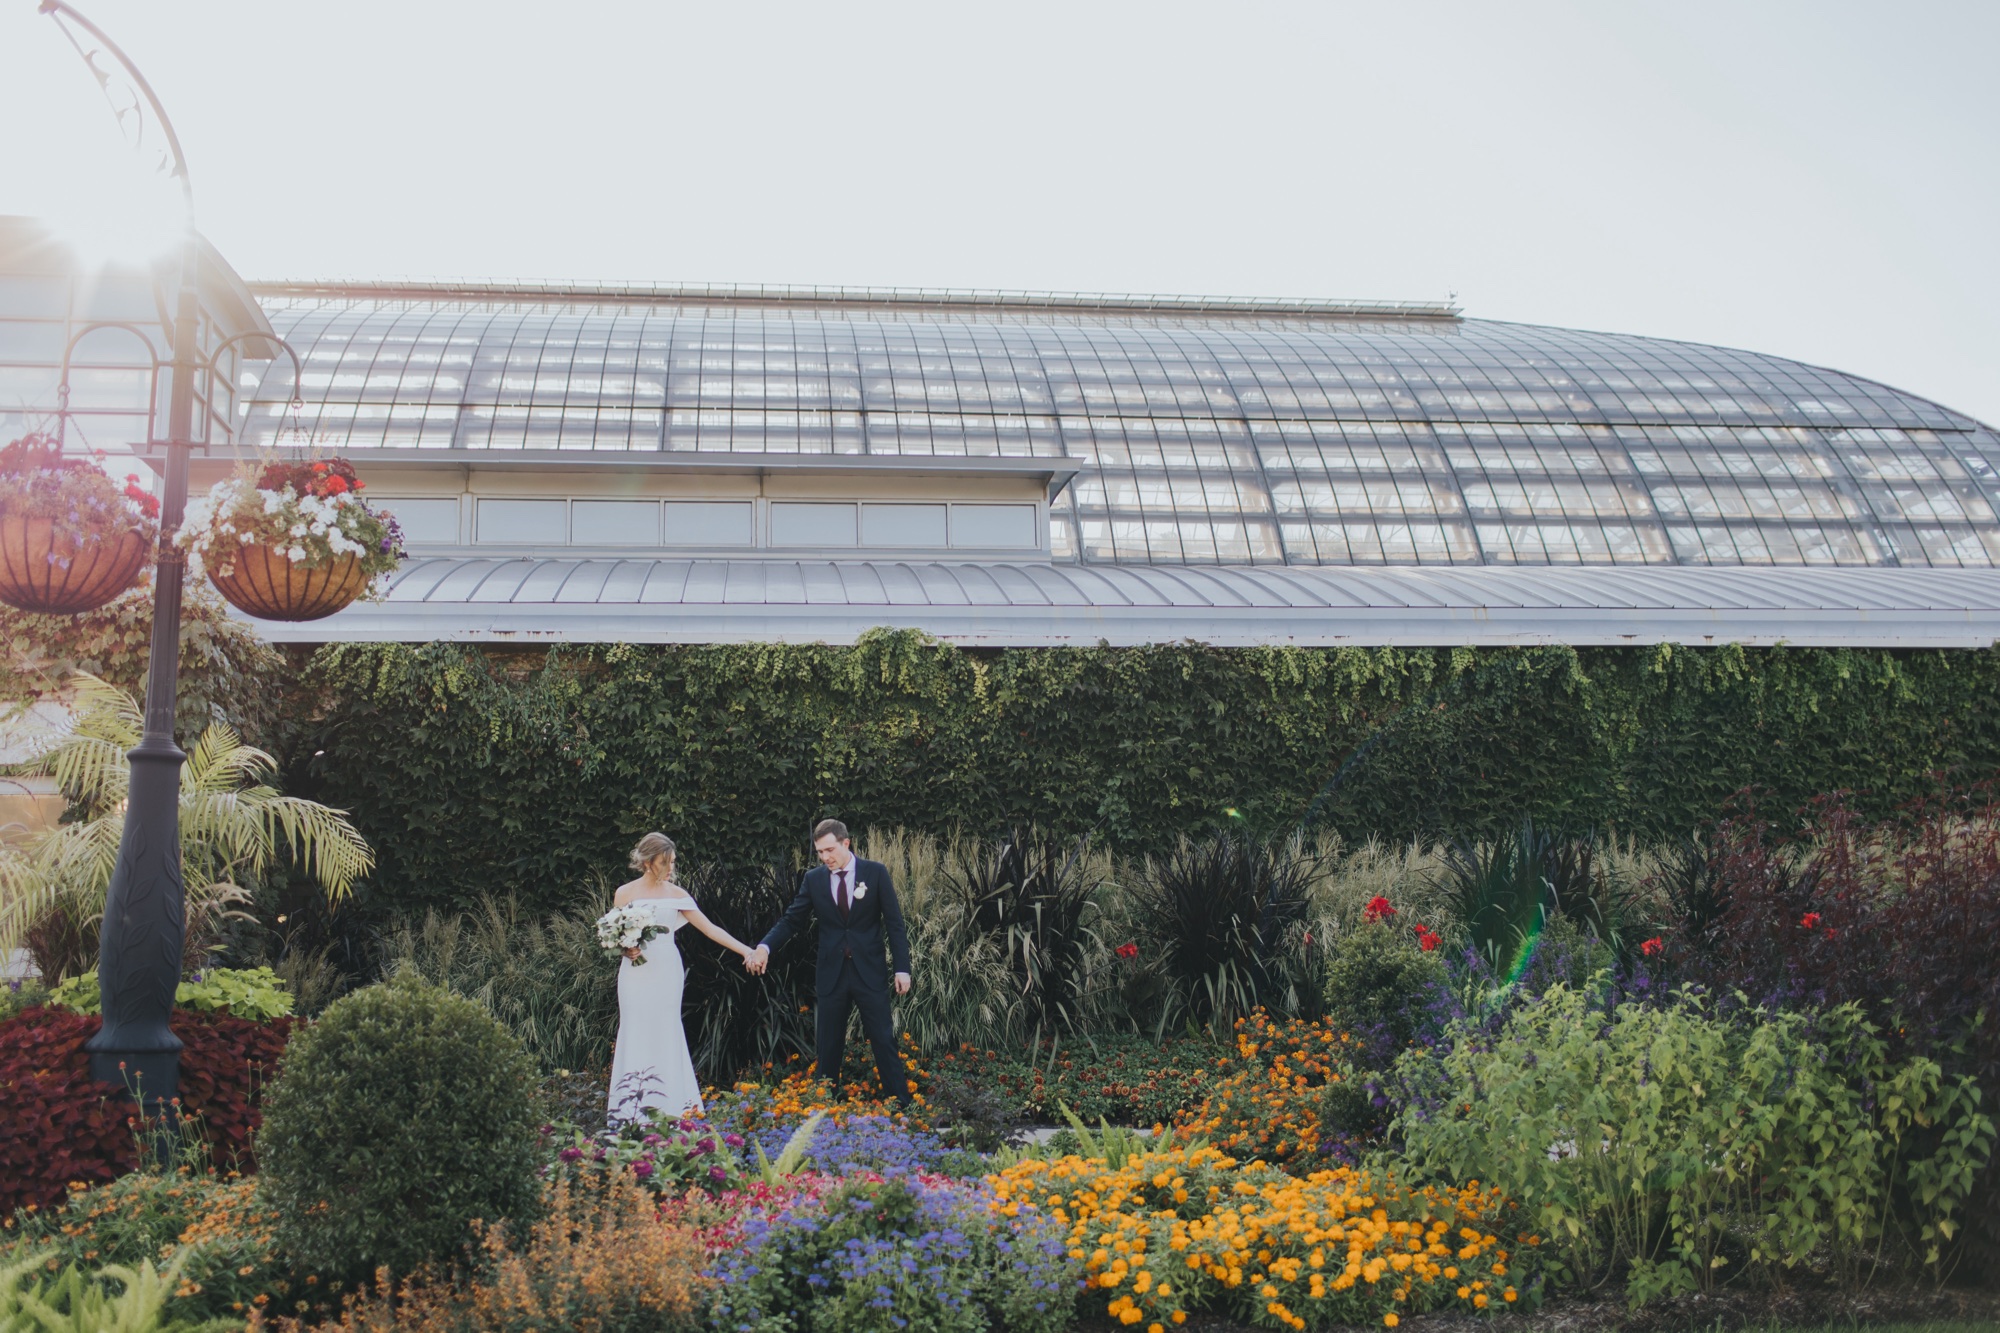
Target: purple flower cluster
<point x="878" y="1256"/>
<point x="867" y="1143"/>
<point x="667" y="1155"/>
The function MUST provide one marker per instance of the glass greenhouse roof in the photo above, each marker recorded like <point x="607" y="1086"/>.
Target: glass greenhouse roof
<point x="1279" y="433"/>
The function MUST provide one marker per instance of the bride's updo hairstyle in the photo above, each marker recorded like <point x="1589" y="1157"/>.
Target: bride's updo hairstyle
<point x="650" y="849"/>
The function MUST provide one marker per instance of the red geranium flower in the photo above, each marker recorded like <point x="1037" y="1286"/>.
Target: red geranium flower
<point x="1427" y="939"/>
<point x="149" y="504"/>
<point x="1810" y="920"/>
<point x="1652" y="947"/>
<point x="1378" y="909"/>
<point x="1127" y="950"/>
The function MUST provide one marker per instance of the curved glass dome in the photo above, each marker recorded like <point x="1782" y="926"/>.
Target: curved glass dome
<point x="1220" y="432"/>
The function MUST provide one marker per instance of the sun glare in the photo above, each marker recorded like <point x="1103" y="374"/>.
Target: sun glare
<point x="131" y="225"/>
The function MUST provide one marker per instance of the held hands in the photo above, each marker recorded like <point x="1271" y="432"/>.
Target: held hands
<point x="755" y="960"/>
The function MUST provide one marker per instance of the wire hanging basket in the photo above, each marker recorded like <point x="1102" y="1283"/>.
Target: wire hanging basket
<point x="55" y="569"/>
<point x="267" y="584"/>
<point x="70" y="542"/>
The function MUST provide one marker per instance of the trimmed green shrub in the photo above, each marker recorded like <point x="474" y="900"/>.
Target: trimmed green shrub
<point x="400" y="1117"/>
<point x="1382" y="986"/>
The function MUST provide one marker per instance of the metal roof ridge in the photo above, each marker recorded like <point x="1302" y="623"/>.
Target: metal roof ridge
<point x="779" y="295"/>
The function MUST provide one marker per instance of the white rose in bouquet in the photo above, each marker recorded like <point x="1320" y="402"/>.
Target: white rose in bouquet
<point x="628" y="927"/>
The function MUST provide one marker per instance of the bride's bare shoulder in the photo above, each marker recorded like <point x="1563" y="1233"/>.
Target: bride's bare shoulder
<point x="625" y="892"/>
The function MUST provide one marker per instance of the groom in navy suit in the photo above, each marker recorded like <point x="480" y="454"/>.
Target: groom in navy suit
<point x="854" y="903"/>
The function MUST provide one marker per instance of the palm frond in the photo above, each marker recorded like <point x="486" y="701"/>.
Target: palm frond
<point x="232" y="825"/>
<point x="80" y="858"/>
<point x="223" y="828"/>
<point x="25" y="898"/>
<point x="320" y="838"/>
<point x="89" y="763"/>
<point x="220" y="761"/>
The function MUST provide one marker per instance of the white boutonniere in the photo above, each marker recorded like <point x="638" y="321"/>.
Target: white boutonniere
<point x="860" y="889"/>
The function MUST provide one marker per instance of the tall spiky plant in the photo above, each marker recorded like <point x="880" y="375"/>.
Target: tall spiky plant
<point x="234" y="825"/>
<point x="1034" y="896"/>
<point x="1222" y="912"/>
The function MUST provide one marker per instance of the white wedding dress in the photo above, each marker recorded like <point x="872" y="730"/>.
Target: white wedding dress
<point x="651" y="1068"/>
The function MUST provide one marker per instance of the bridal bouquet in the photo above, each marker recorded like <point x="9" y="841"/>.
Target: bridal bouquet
<point x="628" y="927"/>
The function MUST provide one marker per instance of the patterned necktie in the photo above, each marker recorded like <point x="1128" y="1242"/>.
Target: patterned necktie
<point x="841" y="895"/>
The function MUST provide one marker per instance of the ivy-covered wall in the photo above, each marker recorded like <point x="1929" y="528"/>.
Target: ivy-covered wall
<point x="476" y="772"/>
<point x="227" y="673"/>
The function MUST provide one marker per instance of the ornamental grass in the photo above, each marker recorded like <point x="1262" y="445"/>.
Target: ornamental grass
<point x="598" y="1261"/>
<point x="1190" y="1229"/>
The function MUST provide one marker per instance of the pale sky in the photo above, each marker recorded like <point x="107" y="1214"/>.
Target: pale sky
<point x="1818" y="179"/>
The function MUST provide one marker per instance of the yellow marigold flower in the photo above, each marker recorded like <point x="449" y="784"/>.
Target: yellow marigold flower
<point x="1390" y="1320"/>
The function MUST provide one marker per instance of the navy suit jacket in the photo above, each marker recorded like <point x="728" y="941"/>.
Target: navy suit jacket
<point x="857" y="936"/>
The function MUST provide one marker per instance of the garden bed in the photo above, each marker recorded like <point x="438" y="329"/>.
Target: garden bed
<point x="1902" y="1310"/>
<point x="1537" y="1082"/>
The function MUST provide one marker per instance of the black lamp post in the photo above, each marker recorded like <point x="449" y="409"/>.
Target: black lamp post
<point x="145" y="911"/>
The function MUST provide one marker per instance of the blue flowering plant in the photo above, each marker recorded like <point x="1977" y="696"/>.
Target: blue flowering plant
<point x="896" y="1255"/>
<point x="863" y="1143"/>
<point x="669" y="1155"/>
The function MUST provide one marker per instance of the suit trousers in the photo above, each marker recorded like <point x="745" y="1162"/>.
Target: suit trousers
<point x="848" y="993"/>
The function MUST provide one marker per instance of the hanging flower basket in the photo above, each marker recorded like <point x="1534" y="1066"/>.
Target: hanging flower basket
<point x="294" y="541"/>
<point x="266" y="583"/>
<point x="70" y="538"/>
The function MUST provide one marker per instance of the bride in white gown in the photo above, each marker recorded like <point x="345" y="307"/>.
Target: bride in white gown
<point x="650" y="1065"/>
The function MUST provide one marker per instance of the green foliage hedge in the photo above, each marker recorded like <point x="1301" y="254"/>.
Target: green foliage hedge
<point x="475" y="772"/>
